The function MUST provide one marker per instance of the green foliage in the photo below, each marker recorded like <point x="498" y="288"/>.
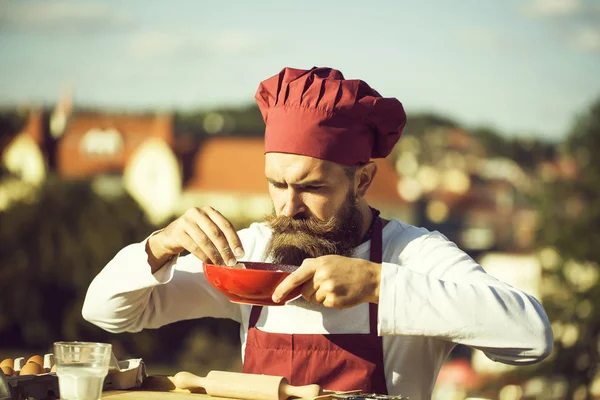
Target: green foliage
<point x="569" y="222"/>
<point x="572" y="207"/>
<point x="526" y="152"/>
<point x="416" y="124"/>
<point x="51" y="249"/>
<point x="11" y="122"/>
<point x="241" y="121"/>
<point x="201" y="352"/>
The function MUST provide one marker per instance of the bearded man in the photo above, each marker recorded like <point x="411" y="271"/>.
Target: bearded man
<point x="383" y="302"/>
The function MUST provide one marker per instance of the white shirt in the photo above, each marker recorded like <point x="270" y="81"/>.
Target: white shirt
<point x="432" y="296"/>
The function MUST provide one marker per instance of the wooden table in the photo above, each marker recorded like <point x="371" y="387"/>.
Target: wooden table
<point x="161" y="387"/>
<point x="151" y="395"/>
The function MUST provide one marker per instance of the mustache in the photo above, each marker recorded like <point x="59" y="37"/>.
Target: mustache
<point x="306" y="236"/>
<point x="308" y="225"/>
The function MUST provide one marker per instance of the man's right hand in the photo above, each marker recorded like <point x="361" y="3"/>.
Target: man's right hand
<point x="204" y="232"/>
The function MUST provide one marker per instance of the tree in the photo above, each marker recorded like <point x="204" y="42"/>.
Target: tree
<point x="527" y="152"/>
<point x="569" y="234"/>
<point x="418" y="123"/>
<point x="50" y="250"/>
<point x="11" y="122"/>
<point x="243" y="121"/>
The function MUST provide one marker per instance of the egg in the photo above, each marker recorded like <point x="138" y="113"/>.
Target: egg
<point x="32" y="368"/>
<point x="8" y="371"/>
<point x="39" y="360"/>
<point x="8" y="362"/>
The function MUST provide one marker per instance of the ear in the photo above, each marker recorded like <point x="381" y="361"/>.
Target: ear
<point x="363" y="178"/>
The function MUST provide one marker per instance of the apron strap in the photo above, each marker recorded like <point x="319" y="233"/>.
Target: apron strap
<point x="375" y="256"/>
<point x="254" y="314"/>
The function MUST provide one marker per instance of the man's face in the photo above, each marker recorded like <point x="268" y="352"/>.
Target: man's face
<point x="315" y="208"/>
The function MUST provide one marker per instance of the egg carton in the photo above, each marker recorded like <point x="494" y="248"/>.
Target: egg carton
<point x="34" y="386"/>
<point x="126" y="374"/>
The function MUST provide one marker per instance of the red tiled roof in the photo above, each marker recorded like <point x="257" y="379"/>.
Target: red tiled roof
<point x="233" y="164"/>
<point x="35" y="126"/>
<point x="134" y="129"/>
<point x="230" y="164"/>
<point x="384" y="188"/>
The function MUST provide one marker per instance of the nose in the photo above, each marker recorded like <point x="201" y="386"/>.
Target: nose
<point x="293" y="206"/>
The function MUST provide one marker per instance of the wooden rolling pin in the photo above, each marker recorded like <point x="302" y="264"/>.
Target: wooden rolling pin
<point x="245" y="386"/>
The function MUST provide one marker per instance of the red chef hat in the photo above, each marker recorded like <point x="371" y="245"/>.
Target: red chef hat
<point x="320" y="114"/>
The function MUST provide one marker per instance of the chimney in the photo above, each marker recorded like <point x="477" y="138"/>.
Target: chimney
<point x="35" y="126"/>
<point x="61" y="113"/>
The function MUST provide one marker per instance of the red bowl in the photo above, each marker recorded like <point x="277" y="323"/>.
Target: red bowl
<point x="253" y="285"/>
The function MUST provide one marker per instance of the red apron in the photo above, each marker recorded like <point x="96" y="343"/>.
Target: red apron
<point x="334" y="361"/>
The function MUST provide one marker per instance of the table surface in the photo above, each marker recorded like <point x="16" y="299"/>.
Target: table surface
<point x="150" y="395"/>
<point x="160" y="387"/>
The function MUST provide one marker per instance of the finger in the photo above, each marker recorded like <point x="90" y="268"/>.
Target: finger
<point x="309" y="289"/>
<point x="228" y="230"/>
<point x="318" y="297"/>
<point x="293" y="280"/>
<point x="216" y="237"/>
<point x="203" y="243"/>
<point x="190" y="245"/>
<point x="331" y="300"/>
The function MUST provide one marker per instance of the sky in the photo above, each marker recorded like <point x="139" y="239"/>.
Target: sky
<point x="524" y="67"/>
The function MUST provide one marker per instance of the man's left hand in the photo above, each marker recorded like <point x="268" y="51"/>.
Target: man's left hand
<point x="334" y="281"/>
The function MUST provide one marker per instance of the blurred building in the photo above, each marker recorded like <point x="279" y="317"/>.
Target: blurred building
<point x="442" y="179"/>
<point x="24" y="156"/>
<point x="228" y="174"/>
<point x="123" y="151"/>
<point x="165" y="172"/>
<point x="478" y="202"/>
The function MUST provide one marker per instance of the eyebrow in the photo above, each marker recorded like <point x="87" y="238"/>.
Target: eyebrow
<point x="314" y="182"/>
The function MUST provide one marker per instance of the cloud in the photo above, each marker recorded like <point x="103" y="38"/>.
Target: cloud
<point x="478" y="36"/>
<point x="154" y="43"/>
<point x="61" y="17"/>
<point x="575" y="21"/>
<point x="550" y="8"/>
<point x="479" y="39"/>
<point x="587" y="40"/>
<point x="236" y="42"/>
<point x="177" y="43"/>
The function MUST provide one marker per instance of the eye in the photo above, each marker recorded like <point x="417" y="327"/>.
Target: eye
<point x="278" y="185"/>
<point x="312" y="188"/>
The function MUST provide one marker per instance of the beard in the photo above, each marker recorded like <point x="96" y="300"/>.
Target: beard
<point x="296" y="238"/>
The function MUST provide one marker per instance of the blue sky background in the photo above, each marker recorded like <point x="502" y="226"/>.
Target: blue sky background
<point x="524" y="67"/>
